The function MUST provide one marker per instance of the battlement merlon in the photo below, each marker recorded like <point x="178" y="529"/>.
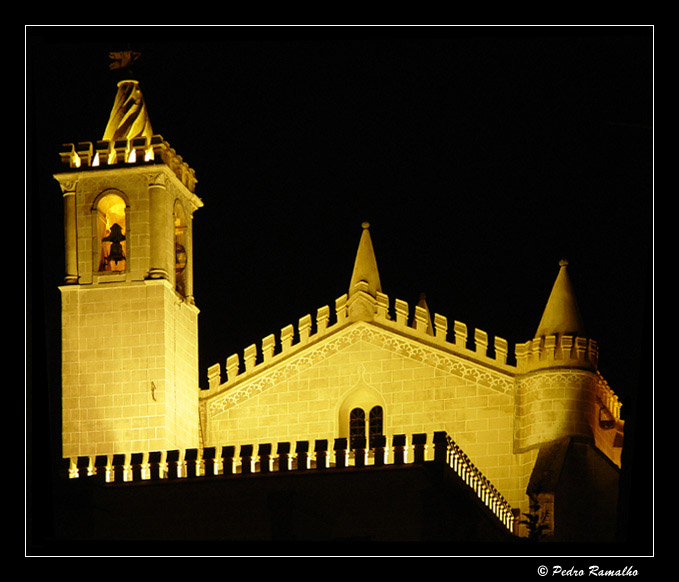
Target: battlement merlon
<point x="350" y="310"/>
<point x="138" y="151"/>
<point x="557" y="350"/>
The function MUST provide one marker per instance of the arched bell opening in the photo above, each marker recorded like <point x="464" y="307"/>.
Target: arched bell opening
<point x="111" y="212"/>
<point x="181" y="256"/>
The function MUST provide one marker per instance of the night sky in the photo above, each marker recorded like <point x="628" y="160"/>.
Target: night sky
<point x="480" y="156"/>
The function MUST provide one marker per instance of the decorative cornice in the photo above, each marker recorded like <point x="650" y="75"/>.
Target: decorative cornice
<point x="139" y="151"/>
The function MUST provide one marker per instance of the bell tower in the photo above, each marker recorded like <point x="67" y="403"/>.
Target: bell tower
<point x="129" y="320"/>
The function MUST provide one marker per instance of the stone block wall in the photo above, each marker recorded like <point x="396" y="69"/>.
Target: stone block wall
<point x="420" y="390"/>
<point x="129" y="380"/>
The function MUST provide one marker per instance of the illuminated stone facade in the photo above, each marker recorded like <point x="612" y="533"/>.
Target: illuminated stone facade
<point x="365" y="367"/>
<point x="129" y="336"/>
<point x="425" y="380"/>
<point x="421" y="388"/>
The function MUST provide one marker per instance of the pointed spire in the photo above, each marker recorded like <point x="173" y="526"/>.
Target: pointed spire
<point x="423" y="304"/>
<point x="365" y="265"/>
<point x="129" y="117"/>
<point x="561" y="315"/>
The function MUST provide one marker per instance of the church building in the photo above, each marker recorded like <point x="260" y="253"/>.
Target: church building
<point x="527" y="439"/>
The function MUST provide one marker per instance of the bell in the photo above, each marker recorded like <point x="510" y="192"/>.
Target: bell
<point x="115" y="238"/>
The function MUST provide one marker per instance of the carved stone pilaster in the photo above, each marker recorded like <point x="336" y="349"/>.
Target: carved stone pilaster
<point x="68" y="189"/>
<point x="160" y="220"/>
<point x="156" y="179"/>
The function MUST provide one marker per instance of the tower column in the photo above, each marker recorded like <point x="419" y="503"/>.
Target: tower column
<point x="70" y="234"/>
<point x="160" y="227"/>
<point x="189" y="252"/>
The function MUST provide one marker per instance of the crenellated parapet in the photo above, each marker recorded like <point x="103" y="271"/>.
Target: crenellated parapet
<point x="396" y="316"/>
<point x="608" y="398"/>
<point x="128" y="152"/>
<point x="557" y="351"/>
<point x="415" y="322"/>
<point x="234" y="461"/>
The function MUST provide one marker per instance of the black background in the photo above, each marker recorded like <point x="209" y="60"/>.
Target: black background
<point x="480" y="156"/>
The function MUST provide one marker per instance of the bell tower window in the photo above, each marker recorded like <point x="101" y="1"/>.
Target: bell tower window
<point x="111" y="213"/>
<point x="180" y="246"/>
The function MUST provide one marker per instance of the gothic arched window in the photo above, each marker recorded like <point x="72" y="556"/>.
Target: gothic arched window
<point x="357" y="428"/>
<point x="375" y="424"/>
<point x="111" y="219"/>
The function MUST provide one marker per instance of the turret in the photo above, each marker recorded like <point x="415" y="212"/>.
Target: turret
<point x="565" y="409"/>
<point x="559" y="389"/>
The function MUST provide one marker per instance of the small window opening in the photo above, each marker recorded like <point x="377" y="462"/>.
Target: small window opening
<point x="356" y="428"/>
<point x="111" y="231"/>
<point x="376" y="425"/>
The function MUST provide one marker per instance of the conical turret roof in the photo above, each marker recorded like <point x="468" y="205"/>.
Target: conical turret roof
<point x="562" y="314"/>
<point x="365" y="265"/>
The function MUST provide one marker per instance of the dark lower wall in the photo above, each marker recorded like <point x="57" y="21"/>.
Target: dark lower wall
<point x="586" y="497"/>
<point x="426" y="503"/>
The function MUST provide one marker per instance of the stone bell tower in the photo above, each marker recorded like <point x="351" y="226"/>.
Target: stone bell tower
<point x="129" y="321"/>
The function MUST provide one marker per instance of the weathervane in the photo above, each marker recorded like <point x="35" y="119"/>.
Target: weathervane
<point x="129" y="118"/>
<point x="121" y="60"/>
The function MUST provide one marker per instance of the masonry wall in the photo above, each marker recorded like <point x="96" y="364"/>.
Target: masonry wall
<point x="554" y="402"/>
<point x="420" y="389"/>
<point x="130" y="344"/>
<point x="129" y="376"/>
<point x="415" y="503"/>
<point x="551" y="403"/>
<point x="179" y="394"/>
